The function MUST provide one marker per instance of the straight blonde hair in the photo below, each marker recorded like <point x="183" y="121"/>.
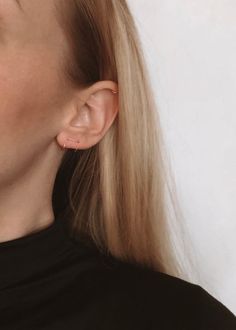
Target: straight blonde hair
<point x="120" y="194"/>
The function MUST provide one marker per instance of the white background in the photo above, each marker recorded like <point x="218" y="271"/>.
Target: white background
<point x="190" y="48"/>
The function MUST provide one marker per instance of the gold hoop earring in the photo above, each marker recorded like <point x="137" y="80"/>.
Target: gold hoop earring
<point x="76" y="149"/>
<point x="77" y="142"/>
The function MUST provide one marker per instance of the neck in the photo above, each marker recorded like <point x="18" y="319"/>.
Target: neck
<point x="25" y="202"/>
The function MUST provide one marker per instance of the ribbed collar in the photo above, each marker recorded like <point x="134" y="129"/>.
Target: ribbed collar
<point x="31" y="255"/>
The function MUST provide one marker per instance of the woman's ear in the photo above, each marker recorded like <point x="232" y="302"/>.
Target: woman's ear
<point x="94" y="111"/>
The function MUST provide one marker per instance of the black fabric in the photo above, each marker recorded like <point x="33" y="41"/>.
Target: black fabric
<point x="50" y="281"/>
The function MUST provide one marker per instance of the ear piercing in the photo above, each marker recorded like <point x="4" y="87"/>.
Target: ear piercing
<point x="113" y="91"/>
<point x="77" y="142"/>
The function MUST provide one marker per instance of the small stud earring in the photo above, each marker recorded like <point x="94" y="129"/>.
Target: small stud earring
<point x="114" y="92"/>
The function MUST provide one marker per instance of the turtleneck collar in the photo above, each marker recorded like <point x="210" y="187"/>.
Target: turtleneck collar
<point x="27" y="256"/>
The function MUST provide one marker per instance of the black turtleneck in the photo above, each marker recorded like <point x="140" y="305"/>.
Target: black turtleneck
<point x="49" y="281"/>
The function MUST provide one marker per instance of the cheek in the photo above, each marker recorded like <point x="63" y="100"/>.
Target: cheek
<point x="30" y="102"/>
<point x="29" y="94"/>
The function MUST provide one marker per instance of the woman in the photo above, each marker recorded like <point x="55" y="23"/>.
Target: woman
<point x="84" y="239"/>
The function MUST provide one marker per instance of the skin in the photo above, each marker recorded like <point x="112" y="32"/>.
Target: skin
<point x="39" y="113"/>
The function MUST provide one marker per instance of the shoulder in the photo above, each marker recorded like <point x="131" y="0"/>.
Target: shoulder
<point x="155" y="299"/>
<point x="214" y="315"/>
<point x="120" y="295"/>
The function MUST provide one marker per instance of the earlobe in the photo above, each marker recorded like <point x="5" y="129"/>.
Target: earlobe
<point x="75" y="143"/>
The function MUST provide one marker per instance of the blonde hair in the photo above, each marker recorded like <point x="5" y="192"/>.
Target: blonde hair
<point x="117" y="194"/>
